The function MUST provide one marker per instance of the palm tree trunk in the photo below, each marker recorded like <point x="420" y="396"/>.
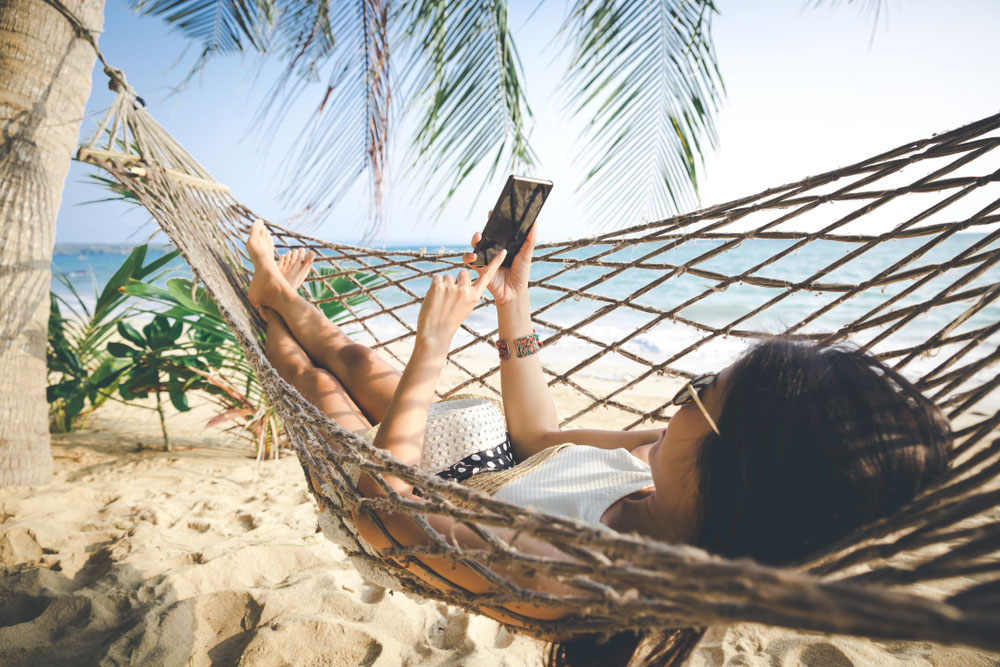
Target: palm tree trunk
<point x="45" y="71"/>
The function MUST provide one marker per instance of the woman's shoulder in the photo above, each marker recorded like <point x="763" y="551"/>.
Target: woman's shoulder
<point x="642" y="453"/>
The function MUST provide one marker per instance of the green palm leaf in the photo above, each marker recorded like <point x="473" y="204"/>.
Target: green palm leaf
<point x="643" y="70"/>
<point x="465" y="83"/>
<point x="646" y="73"/>
<point x="350" y="135"/>
<point x="222" y="26"/>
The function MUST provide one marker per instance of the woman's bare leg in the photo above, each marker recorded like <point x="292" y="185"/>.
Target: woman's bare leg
<point x="317" y="385"/>
<point x="368" y="378"/>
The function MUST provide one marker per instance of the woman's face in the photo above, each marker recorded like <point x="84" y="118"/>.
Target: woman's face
<point x="673" y="459"/>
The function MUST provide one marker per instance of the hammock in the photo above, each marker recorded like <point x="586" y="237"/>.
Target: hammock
<point x="687" y="285"/>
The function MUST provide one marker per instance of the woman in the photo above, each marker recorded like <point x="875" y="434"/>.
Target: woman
<point x="784" y="451"/>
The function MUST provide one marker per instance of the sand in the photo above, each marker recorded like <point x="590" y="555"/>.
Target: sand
<point x="137" y="556"/>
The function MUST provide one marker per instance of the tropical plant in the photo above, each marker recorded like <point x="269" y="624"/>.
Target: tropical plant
<point x="75" y="383"/>
<point x="82" y="375"/>
<point x="158" y="362"/>
<point x="334" y="292"/>
<point x="228" y="378"/>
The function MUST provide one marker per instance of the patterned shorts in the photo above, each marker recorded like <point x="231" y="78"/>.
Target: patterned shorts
<point x="500" y="457"/>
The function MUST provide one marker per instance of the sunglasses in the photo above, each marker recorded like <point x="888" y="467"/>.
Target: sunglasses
<point x="690" y="393"/>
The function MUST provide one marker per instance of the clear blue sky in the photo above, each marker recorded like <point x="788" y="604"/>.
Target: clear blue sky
<point x="808" y="90"/>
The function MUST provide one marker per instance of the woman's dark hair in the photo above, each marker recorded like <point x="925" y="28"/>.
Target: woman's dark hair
<point x="816" y="441"/>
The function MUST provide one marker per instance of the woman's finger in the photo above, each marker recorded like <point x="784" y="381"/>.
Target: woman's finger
<point x="486" y="276"/>
<point x="463" y="278"/>
<point x="529" y="240"/>
<point x="476" y="237"/>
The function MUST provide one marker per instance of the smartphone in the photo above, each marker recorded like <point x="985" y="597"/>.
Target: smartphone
<point x="512" y="218"/>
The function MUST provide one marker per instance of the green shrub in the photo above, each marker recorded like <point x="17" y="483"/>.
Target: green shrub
<point x="81" y="374"/>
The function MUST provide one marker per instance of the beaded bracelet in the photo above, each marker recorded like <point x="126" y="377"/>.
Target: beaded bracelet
<point x="524" y="346"/>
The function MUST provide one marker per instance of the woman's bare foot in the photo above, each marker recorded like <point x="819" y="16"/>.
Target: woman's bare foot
<point x="295" y="266"/>
<point x="267" y="282"/>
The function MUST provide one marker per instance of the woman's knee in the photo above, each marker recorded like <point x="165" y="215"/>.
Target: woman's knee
<point x="358" y="358"/>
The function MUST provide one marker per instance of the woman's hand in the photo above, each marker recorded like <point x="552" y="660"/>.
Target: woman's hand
<point x="511" y="282"/>
<point x="449" y="301"/>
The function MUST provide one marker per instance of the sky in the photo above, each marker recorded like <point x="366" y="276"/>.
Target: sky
<point x="807" y="90"/>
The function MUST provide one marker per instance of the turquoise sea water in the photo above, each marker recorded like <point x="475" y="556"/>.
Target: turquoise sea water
<point x="720" y="308"/>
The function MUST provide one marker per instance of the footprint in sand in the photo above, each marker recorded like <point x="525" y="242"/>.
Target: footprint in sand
<point x="97" y="565"/>
<point x="214" y="628"/>
<point x="794" y="652"/>
<point x="18" y="607"/>
<point x="823" y="654"/>
<point x="199" y="526"/>
<point x="247" y="521"/>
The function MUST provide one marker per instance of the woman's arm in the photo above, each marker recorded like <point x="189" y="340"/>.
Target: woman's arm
<point x="402" y="429"/>
<point x="447" y="303"/>
<point x="527" y="400"/>
<point x="603" y="439"/>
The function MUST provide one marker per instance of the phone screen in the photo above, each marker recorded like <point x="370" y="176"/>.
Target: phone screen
<point x="512" y="218"/>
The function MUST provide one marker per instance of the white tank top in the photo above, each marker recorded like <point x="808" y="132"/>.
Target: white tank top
<point x="579" y="482"/>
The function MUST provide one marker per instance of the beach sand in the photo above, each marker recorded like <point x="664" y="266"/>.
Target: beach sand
<point x="137" y="556"/>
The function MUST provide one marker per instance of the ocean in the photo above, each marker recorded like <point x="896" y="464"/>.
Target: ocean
<point x="86" y="266"/>
<point x="90" y="266"/>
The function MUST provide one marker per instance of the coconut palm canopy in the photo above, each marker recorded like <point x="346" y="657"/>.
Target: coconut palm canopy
<point x="642" y="73"/>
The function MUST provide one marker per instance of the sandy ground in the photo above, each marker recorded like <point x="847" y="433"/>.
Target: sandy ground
<point x="137" y="556"/>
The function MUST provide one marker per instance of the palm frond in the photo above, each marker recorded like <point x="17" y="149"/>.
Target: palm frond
<point x="464" y="82"/>
<point x="646" y="72"/>
<point x="378" y="99"/>
<point x="350" y="132"/>
<point x="221" y="26"/>
<point x="304" y="41"/>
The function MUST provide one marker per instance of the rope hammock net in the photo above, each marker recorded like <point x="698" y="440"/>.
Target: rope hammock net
<point x="678" y="282"/>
